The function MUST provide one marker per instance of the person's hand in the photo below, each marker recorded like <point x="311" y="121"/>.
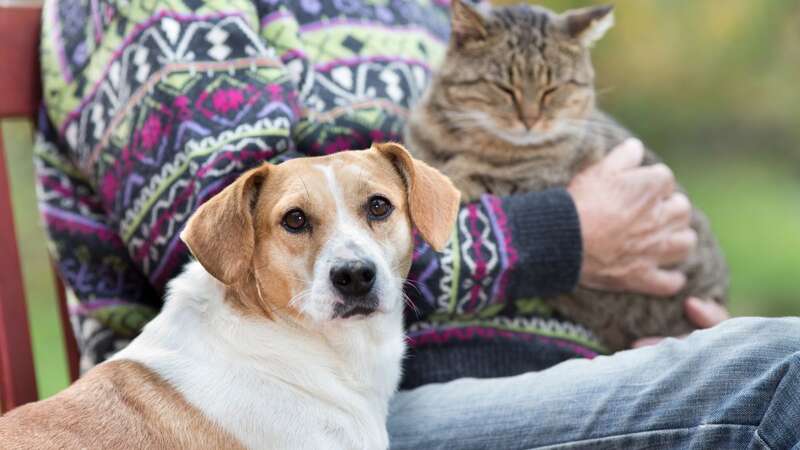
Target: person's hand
<point x="633" y="224"/>
<point x="701" y="313"/>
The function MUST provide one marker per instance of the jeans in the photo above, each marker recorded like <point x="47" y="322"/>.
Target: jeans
<point x="736" y="386"/>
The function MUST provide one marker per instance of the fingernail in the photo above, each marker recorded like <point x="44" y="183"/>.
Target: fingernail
<point x="682" y="280"/>
<point x="647" y="342"/>
<point x="698" y="303"/>
<point x="705" y="307"/>
<point x="634" y="142"/>
<point x="675" y="282"/>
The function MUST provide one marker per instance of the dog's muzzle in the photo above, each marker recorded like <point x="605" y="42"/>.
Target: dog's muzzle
<point x="354" y="281"/>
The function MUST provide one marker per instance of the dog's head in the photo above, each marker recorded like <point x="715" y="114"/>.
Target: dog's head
<point x="323" y="238"/>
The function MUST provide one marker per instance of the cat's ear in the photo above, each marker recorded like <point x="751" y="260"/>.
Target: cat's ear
<point x="466" y="23"/>
<point x="588" y="25"/>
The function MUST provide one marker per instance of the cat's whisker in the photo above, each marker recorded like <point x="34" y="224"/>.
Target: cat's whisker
<point x="604" y="91"/>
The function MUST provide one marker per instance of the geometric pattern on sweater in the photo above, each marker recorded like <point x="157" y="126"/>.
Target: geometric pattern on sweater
<point x="481" y="248"/>
<point x="425" y="332"/>
<point x="153" y="108"/>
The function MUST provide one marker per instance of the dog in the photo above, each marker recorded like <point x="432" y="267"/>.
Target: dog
<point x="284" y="332"/>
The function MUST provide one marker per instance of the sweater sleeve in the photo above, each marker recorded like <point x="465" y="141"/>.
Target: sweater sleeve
<point x="155" y="107"/>
<point x="502" y="250"/>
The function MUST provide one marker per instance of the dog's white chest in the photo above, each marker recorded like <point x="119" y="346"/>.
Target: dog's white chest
<point x="270" y="388"/>
<point x="279" y="415"/>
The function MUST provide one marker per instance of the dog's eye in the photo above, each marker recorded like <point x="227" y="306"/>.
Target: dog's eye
<point x="378" y="208"/>
<point x="295" y="221"/>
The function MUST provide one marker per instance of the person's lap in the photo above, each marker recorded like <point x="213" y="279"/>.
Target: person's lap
<point x="735" y="386"/>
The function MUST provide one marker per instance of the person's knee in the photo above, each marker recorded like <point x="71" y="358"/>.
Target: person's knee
<point x="766" y="335"/>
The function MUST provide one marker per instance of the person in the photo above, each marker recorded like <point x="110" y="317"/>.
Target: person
<point x="150" y="109"/>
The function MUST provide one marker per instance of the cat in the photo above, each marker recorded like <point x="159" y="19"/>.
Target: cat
<point x="511" y="110"/>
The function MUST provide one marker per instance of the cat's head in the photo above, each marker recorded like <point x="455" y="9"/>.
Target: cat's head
<point x="522" y="73"/>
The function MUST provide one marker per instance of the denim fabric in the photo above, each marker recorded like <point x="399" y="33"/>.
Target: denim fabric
<point x="736" y="386"/>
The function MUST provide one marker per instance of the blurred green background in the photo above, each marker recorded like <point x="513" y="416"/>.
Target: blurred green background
<point x="711" y="85"/>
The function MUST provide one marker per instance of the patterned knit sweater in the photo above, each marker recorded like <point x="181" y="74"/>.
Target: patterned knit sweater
<point x="153" y="107"/>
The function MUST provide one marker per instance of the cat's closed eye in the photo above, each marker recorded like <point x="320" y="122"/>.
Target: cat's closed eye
<point x="465" y="95"/>
<point x="505" y="91"/>
<point x="548" y="93"/>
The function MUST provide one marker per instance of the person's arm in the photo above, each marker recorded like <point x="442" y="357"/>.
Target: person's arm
<point x="502" y="248"/>
<point x="155" y="108"/>
<point x="614" y="228"/>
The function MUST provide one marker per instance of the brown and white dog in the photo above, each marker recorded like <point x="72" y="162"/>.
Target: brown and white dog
<point x="287" y="330"/>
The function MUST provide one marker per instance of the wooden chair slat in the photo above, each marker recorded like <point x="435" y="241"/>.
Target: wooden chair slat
<point x="70" y="344"/>
<point x="17" y="376"/>
<point x="20" y="96"/>
<point x="20" y="81"/>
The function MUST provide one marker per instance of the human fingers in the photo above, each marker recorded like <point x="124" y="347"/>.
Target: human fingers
<point x="657" y="281"/>
<point x="676" y="247"/>
<point x="654" y="181"/>
<point x="676" y="210"/>
<point x="627" y="155"/>
<point x="648" y="341"/>
<point x="704" y="313"/>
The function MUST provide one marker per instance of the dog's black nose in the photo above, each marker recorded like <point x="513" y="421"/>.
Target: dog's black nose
<point x="353" y="278"/>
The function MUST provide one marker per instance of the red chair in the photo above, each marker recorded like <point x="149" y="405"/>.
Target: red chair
<point x="20" y="94"/>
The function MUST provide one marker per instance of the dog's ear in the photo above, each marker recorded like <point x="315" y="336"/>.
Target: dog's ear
<point x="221" y="234"/>
<point x="432" y="199"/>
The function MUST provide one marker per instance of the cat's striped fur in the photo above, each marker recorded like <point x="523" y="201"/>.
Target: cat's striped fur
<point x="512" y="109"/>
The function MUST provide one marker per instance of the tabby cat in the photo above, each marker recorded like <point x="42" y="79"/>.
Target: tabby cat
<point x="512" y="109"/>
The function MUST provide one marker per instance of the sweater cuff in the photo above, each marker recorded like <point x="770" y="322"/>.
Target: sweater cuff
<point x="546" y="234"/>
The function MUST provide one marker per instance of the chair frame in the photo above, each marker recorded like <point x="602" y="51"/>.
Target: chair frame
<point x="20" y="96"/>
